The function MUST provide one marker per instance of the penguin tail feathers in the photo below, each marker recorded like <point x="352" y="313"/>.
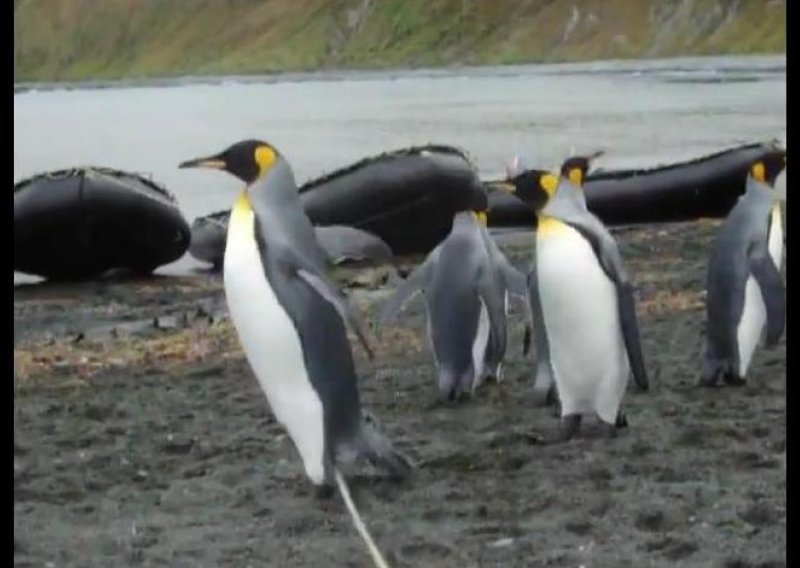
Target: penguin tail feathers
<point x="358" y="522"/>
<point x="379" y="450"/>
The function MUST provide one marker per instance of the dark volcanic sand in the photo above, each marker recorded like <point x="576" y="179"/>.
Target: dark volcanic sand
<point x="156" y="447"/>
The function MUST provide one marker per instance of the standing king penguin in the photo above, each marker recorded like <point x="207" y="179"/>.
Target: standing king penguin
<point x="290" y="319"/>
<point x="466" y="281"/>
<point x="585" y="327"/>
<point x="745" y="294"/>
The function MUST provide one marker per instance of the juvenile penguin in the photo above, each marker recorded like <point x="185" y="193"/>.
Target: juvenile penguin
<point x="290" y="319"/>
<point x="466" y="281"/>
<point x="745" y="294"/>
<point x="586" y="330"/>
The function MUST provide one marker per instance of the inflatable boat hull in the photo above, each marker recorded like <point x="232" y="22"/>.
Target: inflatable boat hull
<point x="705" y="187"/>
<point x="78" y="224"/>
<point x="340" y="243"/>
<point x="402" y="197"/>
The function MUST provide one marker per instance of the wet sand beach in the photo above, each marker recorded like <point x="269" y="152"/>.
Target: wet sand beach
<point x="142" y="439"/>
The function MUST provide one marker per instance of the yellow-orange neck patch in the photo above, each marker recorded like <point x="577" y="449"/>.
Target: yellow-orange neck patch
<point x="758" y="172"/>
<point x="242" y="203"/>
<point x="549" y="183"/>
<point x="576" y="176"/>
<point x="549" y="226"/>
<point x="265" y="157"/>
<point x="240" y="224"/>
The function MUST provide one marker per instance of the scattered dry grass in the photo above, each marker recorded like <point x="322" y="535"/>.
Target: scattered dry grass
<point x="85" y="359"/>
<point x="670" y="302"/>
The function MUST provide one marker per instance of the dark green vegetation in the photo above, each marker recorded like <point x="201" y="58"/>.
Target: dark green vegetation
<point x="86" y="39"/>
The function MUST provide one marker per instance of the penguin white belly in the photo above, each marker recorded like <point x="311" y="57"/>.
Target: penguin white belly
<point x="499" y="371"/>
<point x="751" y="325"/>
<point x="775" y="244"/>
<point x="479" y="344"/>
<point x="579" y="304"/>
<point x="429" y="330"/>
<point x="754" y="313"/>
<point x="272" y="345"/>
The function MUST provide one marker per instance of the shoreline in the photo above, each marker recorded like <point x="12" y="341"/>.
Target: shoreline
<point x="765" y="63"/>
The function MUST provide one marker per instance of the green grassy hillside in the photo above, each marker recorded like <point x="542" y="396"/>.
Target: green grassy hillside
<point x="91" y="39"/>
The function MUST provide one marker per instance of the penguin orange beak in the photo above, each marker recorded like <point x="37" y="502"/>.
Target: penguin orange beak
<point x="212" y="162"/>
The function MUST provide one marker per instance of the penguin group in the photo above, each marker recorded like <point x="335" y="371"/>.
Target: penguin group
<point x="292" y="320"/>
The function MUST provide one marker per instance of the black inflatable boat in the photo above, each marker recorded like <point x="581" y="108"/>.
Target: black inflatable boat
<point x="704" y="187"/>
<point x="80" y="223"/>
<point x="402" y="197"/>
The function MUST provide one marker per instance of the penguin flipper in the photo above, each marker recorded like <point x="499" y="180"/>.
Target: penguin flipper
<point x="544" y="382"/>
<point x="517" y="285"/>
<point x="495" y="310"/>
<point x="630" y="333"/>
<point x="322" y="285"/>
<point x="515" y="281"/>
<point x="772" y="291"/>
<point x="325" y="288"/>
<point x="414" y="284"/>
<point x="310" y="269"/>
<point x="610" y="260"/>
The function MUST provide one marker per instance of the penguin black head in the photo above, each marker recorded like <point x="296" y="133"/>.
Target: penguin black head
<point x="247" y="160"/>
<point x="574" y="169"/>
<point x="769" y="167"/>
<point x="534" y="187"/>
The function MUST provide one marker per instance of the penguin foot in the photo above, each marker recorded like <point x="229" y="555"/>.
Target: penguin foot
<point x="455" y="396"/>
<point x="541" y="397"/>
<point x="621" y="420"/>
<point x="324" y="492"/>
<point x="491" y="378"/>
<point x="434" y="404"/>
<point x="566" y="430"/>
<point x="450" y="401"/>
<point x="552" y="395"/>
<point x="545" y="397"/>
<point x="610" y="431"/>
<point x="489" y="386"/>
<point x="733" y="380"/>
<point x="708" y="381"/>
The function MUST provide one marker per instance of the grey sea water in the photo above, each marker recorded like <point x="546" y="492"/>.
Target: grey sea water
<point x="641" y="112"/>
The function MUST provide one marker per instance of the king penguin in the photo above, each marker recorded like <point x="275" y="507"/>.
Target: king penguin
<point x="290" y="319"/>
<point x="745" y="294"/>
<point x="585" y="327"/>
<point x="466" y="281"/>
